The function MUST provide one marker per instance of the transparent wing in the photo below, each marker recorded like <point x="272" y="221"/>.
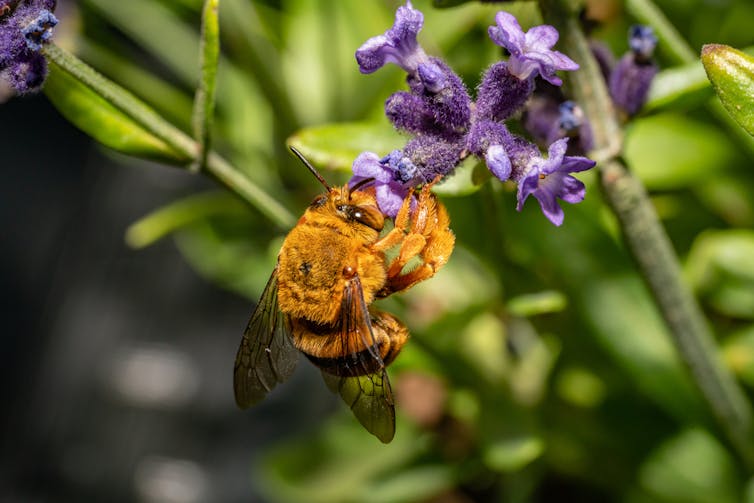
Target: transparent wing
<point x="266" y="355"/>
<point x="363" y="383"/>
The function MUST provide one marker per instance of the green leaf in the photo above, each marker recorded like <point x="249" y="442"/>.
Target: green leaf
<point x="669" y="151"/>
<point x="738" y="351"/>
<point x="678" y="86"/>
<point x="335" y="146"/>
<point x="691" y="467"/>
<point x="204" y="103"/>
<point x="681" y="86"/>
<point x="630" y="330"/>
<point x="549" y="301"/>
<point x="732" y="75"/>
<point x="352" y="466"/>
<point x="165" y="97"/>
<point x="412" y="484"/>
<point x="156" y="28"/>
<point x="721" y="269"/>
<point x="466" y="179"/>
<point x="178" y="214"/>
<point x="97" y="117"/>
<point x="512" y="454"/>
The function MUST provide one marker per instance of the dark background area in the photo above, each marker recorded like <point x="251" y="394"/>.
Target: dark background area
<point x="116" y="363"/>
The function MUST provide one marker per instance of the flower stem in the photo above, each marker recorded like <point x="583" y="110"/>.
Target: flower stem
<point x="649" y="244"/>
<point x="217" y="167"/>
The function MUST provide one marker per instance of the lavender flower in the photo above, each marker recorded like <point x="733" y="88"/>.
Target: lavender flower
<point x="398" y="45"/>
<point x="632" y="76"/>
<point x="501" y="94"/>
<point x="391" y="178"/>
<point x="531" y="52"/>
<point x="23" y="31"/>
<point x="549" y="180"/>
<point x="642" y="41"/>
<point x="447" y="127"/>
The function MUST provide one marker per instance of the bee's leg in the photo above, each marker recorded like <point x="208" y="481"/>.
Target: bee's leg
<point x="398" y="232"/>
<point x="429" y="237"/>
<point x="389" y="333"/>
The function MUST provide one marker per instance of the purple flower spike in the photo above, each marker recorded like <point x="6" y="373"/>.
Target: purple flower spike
<point x="642" y="40"/>
<point x="631" y="78"/>
<point x="397" y="45"/>
<point x="433" y="155"/>
<point x="531" y="52"/>
<point x="39" y="30"/>
<point x="409" y="112"/>
<point x="549" y="179"/>
<point x="24" y="28"/>
<point x="386" y="173"/>
<point x="501" y="94"/>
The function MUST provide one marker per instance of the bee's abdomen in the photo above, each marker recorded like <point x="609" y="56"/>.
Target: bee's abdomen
<point x="347" y="353"/>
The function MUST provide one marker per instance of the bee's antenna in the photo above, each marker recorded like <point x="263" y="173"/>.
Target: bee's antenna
<point x="361" y="183"/>
<point x="309" y="165"/>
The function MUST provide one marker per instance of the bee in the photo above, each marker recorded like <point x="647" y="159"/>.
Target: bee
<point x="331" y="267"/>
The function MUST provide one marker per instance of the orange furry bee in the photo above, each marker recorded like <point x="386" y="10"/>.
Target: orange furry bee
<point x="330" y="269"/>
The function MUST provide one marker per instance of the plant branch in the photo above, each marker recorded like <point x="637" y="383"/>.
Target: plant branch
<point x="649" y="244"/>
<point x="217" y="167"/>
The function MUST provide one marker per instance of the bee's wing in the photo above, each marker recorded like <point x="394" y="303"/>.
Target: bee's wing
<point x="370" y="399"/>
<point x="266" y="355"/>
<point x="366" y="390"/>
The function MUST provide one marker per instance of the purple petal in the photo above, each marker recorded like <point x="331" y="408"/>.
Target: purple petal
<point x="555" y="156"/>
<point x="498" y="162"/>
<point x="573" y="190"/>
<point x="371" y="55"/>
<point x="507" y="33"/>
<point x="541" y="37"/>
<point x="431" y="76"/>
<point x="574" y="164"/>
<point x="390" y="198"/>
<point x="368" y="165"/>
<point x="526" y="187"/>
<point x="523" y="67"/>
<point x="550" y="206"/>
<point x="397" y="45"/>
<point x="562" y="62"/>
<point x="530" y="51"/>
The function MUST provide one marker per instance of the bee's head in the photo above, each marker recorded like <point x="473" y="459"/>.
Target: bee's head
<point x="350" y="204"/>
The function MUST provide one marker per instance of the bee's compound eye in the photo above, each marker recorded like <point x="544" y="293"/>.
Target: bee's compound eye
<point x="371" y="217"/>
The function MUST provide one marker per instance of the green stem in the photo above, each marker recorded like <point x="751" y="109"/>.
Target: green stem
<point x="217" y="167"/>
<point x="650" y="245"/>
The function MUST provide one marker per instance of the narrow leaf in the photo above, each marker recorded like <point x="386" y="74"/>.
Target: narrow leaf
<point x="94" y="115"/>
<point x="204" y="102"/>
<point x="335" y="146"/>
<point x="178" y="214"/>
<point x="732" y="75"/>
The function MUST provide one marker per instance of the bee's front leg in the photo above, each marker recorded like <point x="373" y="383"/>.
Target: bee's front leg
<point x="428" y="236"/>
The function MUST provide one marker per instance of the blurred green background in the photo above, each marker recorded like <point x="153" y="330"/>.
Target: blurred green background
<point x="538" y="368"/>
